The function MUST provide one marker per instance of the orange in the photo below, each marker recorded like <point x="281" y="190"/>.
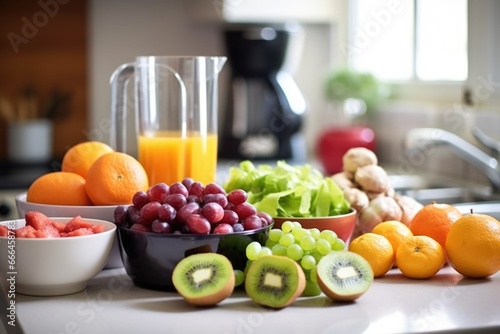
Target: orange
<point x="80" y="157"/>
<point x="434" y="220"/>
<point x="376" y="249"/>
<point x="420" y="257"/>
<point x="473" y="245"/>
<point x="114" y="178"/>
<point x="395" y="231"/>
<point x="59" y="188"/>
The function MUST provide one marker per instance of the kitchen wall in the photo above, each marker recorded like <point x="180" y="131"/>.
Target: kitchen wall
<point x="121" y="30"/>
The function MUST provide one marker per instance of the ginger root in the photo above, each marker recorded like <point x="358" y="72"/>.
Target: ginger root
<point x="358" y="157"/>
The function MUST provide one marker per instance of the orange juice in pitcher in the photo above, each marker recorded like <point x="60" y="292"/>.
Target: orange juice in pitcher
<point x="170" y="158"/>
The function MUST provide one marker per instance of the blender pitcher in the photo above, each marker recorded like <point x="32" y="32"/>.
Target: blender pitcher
<point x="176" y="115"/>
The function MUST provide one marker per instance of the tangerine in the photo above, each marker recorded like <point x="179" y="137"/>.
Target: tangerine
<point x="376" y="249"/>
<point x="473" y="245"/>
<point x="434" y="220"/>
<point x="114" y="178"/>
<point x="395" y="231"/>
<point x="59" y="188"/>
<point x="420" y="257"/>
<point x="80" y="157"/>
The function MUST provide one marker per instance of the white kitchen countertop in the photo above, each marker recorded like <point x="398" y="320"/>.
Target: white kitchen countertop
<point x="393" y="304"/>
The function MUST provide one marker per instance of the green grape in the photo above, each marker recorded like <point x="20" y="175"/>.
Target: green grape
<point x="307" y="242"/>
<point x="297" y="225"/>
<point x="317" y="255"/>
<point x="279" y="249"/>
<point x="323" y="246"/>
<point x="314" y="232"/>
<point x="270" y="243"/>
<point x="329" y="236"/>
<point x="239" y="277"/>
<point x="264" y="251"/>
<point x="253" y="250"/>
<point x="275" y="234"/>
<point x="339" y="245"/>
<point x="287" y="239"/>
<point x="308" y="262"/>
<point x="295" y="252"/>
<point x="299" y="233"/>
<point x="287" y="226"/>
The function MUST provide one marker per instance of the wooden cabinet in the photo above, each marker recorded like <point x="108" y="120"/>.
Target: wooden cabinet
<point x="44" y="49"/>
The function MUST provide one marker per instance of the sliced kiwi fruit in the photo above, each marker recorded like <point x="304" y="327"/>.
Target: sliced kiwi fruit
<point x="274" y="281"/>
<point x="344" y="275"/>
<point x="204" y="279"/>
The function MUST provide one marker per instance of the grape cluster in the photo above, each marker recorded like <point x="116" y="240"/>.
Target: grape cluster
<point x="190" y="207"/>
<point x="306" y="246"/>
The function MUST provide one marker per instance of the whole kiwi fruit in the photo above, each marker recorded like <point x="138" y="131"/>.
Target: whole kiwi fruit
<point x="344" y="275"/>
<point x="204" y="279"/>
<point x="274" y="281"/>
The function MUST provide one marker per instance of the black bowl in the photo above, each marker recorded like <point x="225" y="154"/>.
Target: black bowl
<point x="149" y="258"/>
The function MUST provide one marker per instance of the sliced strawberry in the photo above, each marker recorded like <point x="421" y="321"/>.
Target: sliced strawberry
<point x="79" y="232"/>
<point x="77" y="223"/>
<point x="26" y="232"/>
<point x="48" y="232"/>
<point x="36" y="219"/>
<point x="4" y="231"/>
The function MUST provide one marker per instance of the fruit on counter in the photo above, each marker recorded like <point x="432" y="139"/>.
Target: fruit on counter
<point x="39" y="225"/>
<point x="376" y="249"/>
<point x="395" y="231"/>
<point x="473" y="245"/>
<point x="114" y="178"/>
<point x="274" y="281"/>
<point x="420" y="257"/>
<point x="80" y="157"/>
<point x="59" y="188"/>
<point x="204" y="279"/>
<point x="367" y="188"/>
<point x="92" y="173"/>
<point x="435" y="220"/>
<point x="288" y="191"/>
<point x="344" y="276"/>
<point x="304" y="246"/>
<point x="190" y="206"/>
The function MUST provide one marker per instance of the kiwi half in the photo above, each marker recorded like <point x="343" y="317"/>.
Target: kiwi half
<point x="204" y="279"/>
<point x="344" y="275"/>
<point x="274" y="281"/>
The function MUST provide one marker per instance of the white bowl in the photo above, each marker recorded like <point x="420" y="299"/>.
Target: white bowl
<point x="55" y="266"/>
<point x="94" y="212"/>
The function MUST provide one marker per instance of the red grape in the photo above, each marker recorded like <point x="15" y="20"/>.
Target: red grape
<point x="197" y="189"/>
<point x="238" y="227"/>
<point x="176" y="200"/>
<point x="140" y="199"/>
<point x="184" y="212"/>
<point x="214" y="188"/>
<point x="198" y="224"/>
<point x="160" y="226"/>
<point x="223" y="229"/>
<point x="187" y="182"/>
<point x="140" y="227"/>
<point x="220" y="199"/>
<point x="158" y="192"/>
<point x="133" y="214"/>
<point x="166" y="212"/>
<point x="237" y="196"/>
<point x="244" y="210"/>
<point x="230" y="217"/>
<point x="179" y="188"/>
<point x="266" y="218"/>
<point x="252" y="222"/>
<point x="120" y="215"/>
<point x="213" y="212"/>
<point x="149" y="212"/>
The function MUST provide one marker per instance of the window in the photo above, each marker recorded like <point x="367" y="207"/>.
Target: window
<point x="419" y="40"/>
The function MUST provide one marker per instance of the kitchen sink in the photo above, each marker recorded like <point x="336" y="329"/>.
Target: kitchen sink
<point x="429" y="188"/>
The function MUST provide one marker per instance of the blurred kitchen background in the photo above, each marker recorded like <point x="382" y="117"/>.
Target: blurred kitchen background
<point x="435" y="64"/>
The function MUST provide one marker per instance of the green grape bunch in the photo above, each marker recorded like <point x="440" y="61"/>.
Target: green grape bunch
<point x="306" y="246"/>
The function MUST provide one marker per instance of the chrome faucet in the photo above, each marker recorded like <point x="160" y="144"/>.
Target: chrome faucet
<point x="488" y="165"/>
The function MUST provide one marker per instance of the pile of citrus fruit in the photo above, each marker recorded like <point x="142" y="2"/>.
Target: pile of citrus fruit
<point x="438" y="234"/>
<point x="92" y="173"/>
